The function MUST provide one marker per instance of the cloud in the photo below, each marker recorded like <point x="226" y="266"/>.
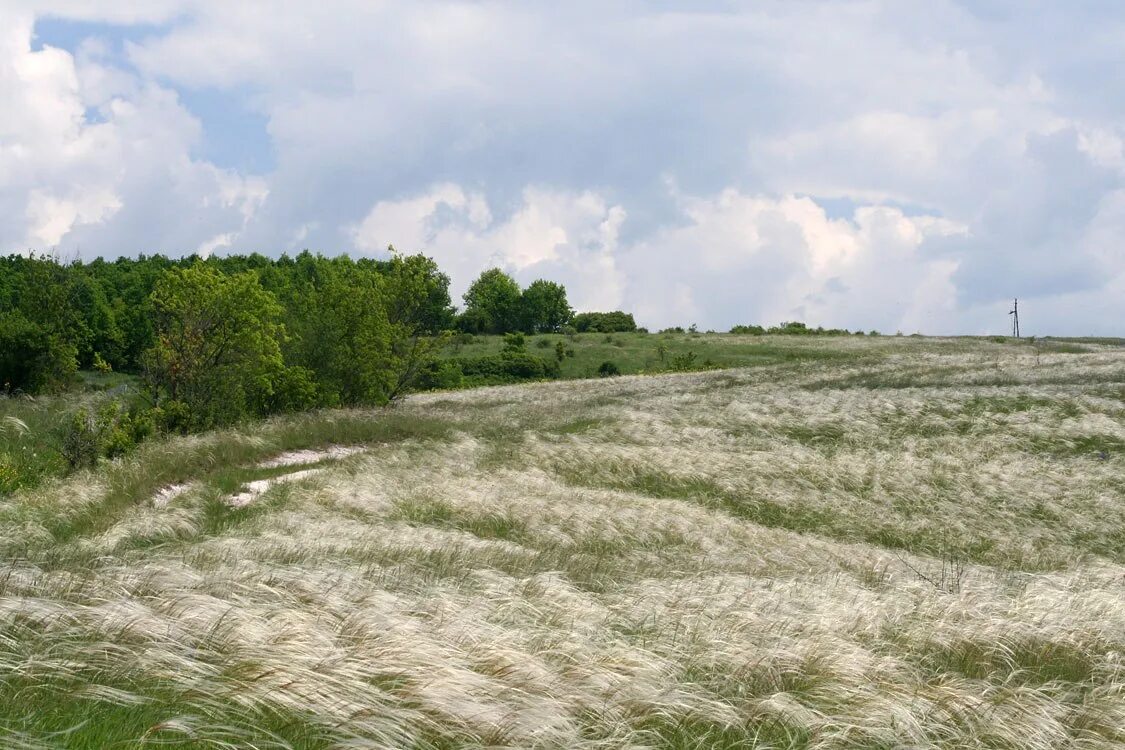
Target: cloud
<point x="732" y="257"/>
<point x="875" y="164"/>
<point x="563" y="236"/>
<point x="98" y="160"/>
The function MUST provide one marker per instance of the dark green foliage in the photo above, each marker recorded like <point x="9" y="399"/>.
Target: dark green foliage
<point x="510" y="367"/>
<point x="293" y="389"/>
<point x="792" y="329"/>
<point x="31" y="358"/>
<point x="514" y="343"/>
<point x="492" y="304"/>
<point x="544" y="308"/>
<point x="608" y="369"/>
<point x="441" y="375"/>
<point x="495" y="304"/>
<point x="605" y="322"/>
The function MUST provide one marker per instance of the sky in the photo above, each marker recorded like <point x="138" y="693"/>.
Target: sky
<point x="899" y="166"/>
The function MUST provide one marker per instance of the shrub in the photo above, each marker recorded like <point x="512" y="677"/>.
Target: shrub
<point x="514" y="343"/>
<point x="81" y="440"/>
<point x="543" y="343"/>
<point x="608" y="369"/>
<point x="441" y="375"/>
<point x="561" y="351"/>
<point x="748" y="329"/>
<point x="684" y="362"/>
<point x="510" y="367"/>
<point x="10" y="475"/>
<point x="607" y="322"/>
<point x="172" y="416"/>
<point x="112" y="431"/>
<point x="294" y="389"/>
<point x="100" y="365"/>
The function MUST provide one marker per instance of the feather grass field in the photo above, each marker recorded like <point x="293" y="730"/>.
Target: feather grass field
<point x="910" y="543"/>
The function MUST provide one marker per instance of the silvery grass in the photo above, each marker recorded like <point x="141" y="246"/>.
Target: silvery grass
<point x="925" y="551"/>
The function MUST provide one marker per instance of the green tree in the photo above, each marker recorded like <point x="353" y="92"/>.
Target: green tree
<point x="217" y="348"/>
<point x="33" y="358"/>
<point x="544" y="308"/>
<point x="417" y="293"/>
<point x="416" y="297"/>
<point x="337" y="315"/>
<point x="492" y="304"/>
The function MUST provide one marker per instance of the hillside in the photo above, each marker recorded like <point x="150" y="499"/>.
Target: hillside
<point x="858" y="543"/>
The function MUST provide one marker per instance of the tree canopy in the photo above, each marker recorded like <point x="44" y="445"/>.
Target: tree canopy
<point x="492" y="304"/>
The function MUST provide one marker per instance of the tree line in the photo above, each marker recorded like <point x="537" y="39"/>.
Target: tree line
<point x="217" y="339"/>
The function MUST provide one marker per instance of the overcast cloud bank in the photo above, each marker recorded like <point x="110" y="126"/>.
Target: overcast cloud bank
<point x="884" y="165"/>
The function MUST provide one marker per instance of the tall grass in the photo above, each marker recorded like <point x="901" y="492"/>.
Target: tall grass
<point x="747" y="558"/>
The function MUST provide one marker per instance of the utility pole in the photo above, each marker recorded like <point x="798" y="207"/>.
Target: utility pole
<point x="1015" y="313"/>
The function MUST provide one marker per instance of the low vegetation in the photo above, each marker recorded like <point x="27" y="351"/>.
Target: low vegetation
<point x="858" y="543"/>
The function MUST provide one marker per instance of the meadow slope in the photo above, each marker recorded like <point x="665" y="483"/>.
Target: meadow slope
<point x="873" y="543"/>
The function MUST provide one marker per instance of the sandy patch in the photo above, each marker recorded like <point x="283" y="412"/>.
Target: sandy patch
<point x="166" y="495"/>
<point x="296" y="458"/>
<point x="251" y="491"/>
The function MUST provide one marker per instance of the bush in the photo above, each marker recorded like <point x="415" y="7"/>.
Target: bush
<point x="81" y="440"/>
<point x="607" y="322"/>
<point x="172" y="416"/>
<point x="441" y="375"/>
<point x="294" y="389"/>
<point x="543" y="343"/>
<point x="748" y="329"/>
<point x="608" y="369"/>
<point x="510" y="367"/>
<point x="110" y="432"/>
<point x="514" y="343"/>
<point x="10" y="475"/>
<point x="684" y="362"/>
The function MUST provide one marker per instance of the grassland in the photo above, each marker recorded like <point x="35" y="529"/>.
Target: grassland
<point x="857" y="543"/>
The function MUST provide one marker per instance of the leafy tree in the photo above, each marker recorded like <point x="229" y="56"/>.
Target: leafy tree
<point x="217" y="347"/>
<point x="492" y="304"/>
<point x="340" y="331"/>
<point x="417" y="293"/>
<point x="32" y="358"/>
<point x="416" y="296"/>
<point x="543" y="307"/>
